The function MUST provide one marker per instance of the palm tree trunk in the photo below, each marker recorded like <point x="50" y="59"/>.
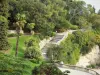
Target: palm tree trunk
<point x="17" y="43"/>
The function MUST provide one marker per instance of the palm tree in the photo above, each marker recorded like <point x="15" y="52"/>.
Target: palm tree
<point x="20" y="21"/>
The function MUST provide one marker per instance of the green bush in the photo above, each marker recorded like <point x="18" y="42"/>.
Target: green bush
<point x="32" y="50"/>
<point x="91" y="66"/>
<point x="14" y="35"/>
<point x="67" y="52"/>
<point x="47" y="69"/>
<point x="85" y="40"/>
<point x="35" y="60"/>
<point x="14" y="65"/>
<point x="4" y="45"/>
<point x="61" y="30"/>
<point x="74" y="27"/>
<point x="53" y="34"/>
<point x="40" y="36"/>
<point x="31" y="53"/>
<point x="71" y="51"/>
<point x="54" y="52"/>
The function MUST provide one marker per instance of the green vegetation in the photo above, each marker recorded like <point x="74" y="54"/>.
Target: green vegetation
<point x="19" y="24"/>
<point x="45" y="18"/>
<point x="15" y="66"/>
<point x="67" y="51"/>
<point x="71" y="51"/>
<point x="52" y="15"/>
<point x="46" y="69"/>
<point x="85" y="40"/>
<point x="21" y="45"/>
<point x="80" y="42"/>
<point x="30" y="26"/>
<point x="4" y="45"/>
<point x="13" y="35"/>
<point x="93" y="66"/>
<point x="32" y="49"/>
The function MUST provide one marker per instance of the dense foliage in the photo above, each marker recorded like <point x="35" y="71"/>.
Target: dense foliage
<point x="32" y="49"/>
<point x="85" y="40"/>
<point x="46" y="17"/>
<point x="14" y="66"/>
<point x="47" y="69"/>
<point x="67" y="52"/>
<point x="80" y="42"/>
<point x="52" y="15"/>
<point x="4" y="45"/>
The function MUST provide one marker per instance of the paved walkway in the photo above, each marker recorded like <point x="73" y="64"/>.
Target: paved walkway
<point x="74" y="72"/>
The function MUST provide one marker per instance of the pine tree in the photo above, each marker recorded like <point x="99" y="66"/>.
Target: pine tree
<point x="4" y="45"/>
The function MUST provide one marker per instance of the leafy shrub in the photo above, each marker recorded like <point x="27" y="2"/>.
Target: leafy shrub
<point x="61" y="30"/>
<point x="32" y="48"/>
<point x="35" y="61"/>
<point x="14" y="65"/>
<point x="53" y="34"/>
<point x="4" y="45"/>
<point x="73" y="27"/>
<point x="32" y="52"/>
<point x="47" y="69"/>
<point x="96" y="39"/>
<point x="14" y="34"/>
<point x="54" y="52"/>
<point x="91" y="66"/>
<point x="40" y="36"/>
<point x="85" y="40"/>
<point x="71" y="51"/>
<point x="67" y="52"/>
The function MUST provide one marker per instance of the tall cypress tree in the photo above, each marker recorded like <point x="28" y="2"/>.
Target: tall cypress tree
<point x="4" y="45"/>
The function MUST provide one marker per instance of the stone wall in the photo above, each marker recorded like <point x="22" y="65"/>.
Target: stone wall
<point x="91" y="58"/>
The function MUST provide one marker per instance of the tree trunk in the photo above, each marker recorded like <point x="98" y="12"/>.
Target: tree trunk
<point x="17" y="42"/>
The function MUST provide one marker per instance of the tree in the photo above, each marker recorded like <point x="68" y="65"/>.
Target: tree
<point x="95" y="20"/>
<point x="90" y="8"/>
<point x="30" y="26"/>
<point x="20" y="21"/>
<point x="4" y="8"/>
<point x="4" y="45"/>
<point x="54" y="52"/>
<point x="83" y="23"/>
<point x="75" y="9"/>
<point x="99" y="12"/>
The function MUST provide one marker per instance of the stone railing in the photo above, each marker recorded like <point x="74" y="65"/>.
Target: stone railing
<point x="92" y="72"/>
